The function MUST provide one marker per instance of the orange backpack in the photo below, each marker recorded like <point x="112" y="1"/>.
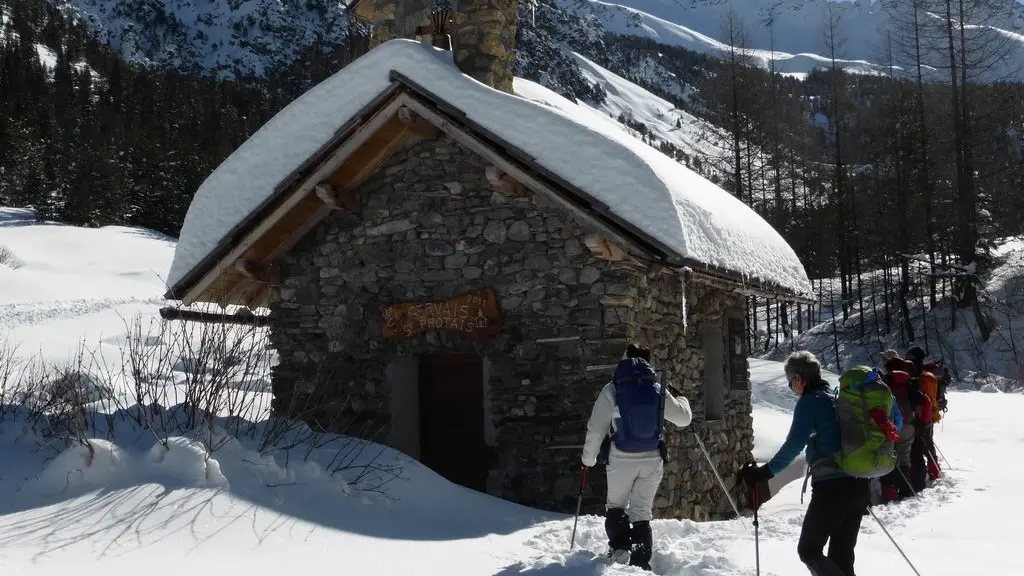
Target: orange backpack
<point x="930" y="388"/>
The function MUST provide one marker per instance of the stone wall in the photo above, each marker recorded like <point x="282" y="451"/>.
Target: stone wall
<point x="430" y="227"/>
<point x="690" y="489"/>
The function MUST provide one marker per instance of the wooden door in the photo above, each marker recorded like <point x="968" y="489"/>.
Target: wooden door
<point x="451" y="391"/>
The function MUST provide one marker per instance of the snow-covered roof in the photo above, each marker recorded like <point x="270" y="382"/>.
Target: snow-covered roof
<point x="664" y="200"/>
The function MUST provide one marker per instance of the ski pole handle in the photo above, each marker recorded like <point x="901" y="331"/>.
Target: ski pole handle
<point x="583" y="477"/>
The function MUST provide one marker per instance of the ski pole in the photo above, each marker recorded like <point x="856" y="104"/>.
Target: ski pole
<point x="717" y="477"/>
<point x="893" y="540"/>
<point x="757" y="541"/>
<point x="579" y="501"/>
<point x="934" y="445"/>
<point x="907" y="480"/>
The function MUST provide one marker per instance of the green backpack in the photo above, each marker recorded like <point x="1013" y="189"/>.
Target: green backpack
<point x="866" y="452"/>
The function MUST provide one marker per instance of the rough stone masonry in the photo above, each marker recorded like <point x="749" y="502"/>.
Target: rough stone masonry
<point x="483" y="32"/>
<point x="430" y="227"/>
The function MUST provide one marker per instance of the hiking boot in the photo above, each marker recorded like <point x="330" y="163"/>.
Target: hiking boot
<point x="889" y="493"/>
<point x="619" y="556"/>
<point x="641" y="545"/>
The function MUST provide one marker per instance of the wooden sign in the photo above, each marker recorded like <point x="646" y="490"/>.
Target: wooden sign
<point x="474" y="314"/>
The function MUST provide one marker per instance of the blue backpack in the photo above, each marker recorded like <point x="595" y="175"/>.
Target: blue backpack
<point x="639" y="400"/>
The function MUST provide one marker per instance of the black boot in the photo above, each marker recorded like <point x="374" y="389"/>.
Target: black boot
<point x="824" y="567"/>
<point x="642" y="545"/>
<point x="616" y="526"/>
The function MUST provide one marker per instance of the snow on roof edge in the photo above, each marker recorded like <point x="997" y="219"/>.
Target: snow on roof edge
<point x="681" y="209"/>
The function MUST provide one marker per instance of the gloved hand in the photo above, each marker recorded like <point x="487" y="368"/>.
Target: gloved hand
<point x="753" y="474"/>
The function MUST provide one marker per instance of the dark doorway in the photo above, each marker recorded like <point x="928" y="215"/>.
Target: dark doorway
<point x="451" y="391"/>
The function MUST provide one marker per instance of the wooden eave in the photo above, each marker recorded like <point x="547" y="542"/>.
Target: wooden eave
<point x="242" y="270"/>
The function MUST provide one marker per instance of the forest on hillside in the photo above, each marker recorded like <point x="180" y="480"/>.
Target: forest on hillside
<point x="866" y="172"/>
<point x="93" y="140"/>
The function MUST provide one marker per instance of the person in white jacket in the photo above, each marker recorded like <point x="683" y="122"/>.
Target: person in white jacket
<point x="636" y="457"/>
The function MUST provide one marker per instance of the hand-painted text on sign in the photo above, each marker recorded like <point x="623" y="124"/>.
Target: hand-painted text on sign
<point x="472" y="313"/>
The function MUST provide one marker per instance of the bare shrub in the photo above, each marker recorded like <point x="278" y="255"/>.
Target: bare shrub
<point x="9" y="366"/>
<point x="61" y="401"/>
<point x="207" y="382"/>
<point x="7" y="258"/>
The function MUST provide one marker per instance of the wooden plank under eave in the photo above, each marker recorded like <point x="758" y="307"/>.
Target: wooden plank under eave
<point x="353" y="172"/>
<point x="267" y="248"/>
<point x="293" y="229"/>
<point x="364" y="162"/>
<point x="236" y="296"/>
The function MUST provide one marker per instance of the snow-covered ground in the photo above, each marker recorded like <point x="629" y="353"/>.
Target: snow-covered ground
<point x="66" y="284"/>
<point x="159" y="495"/>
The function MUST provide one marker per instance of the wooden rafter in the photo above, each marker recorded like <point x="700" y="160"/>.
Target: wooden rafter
<point x="418" y="125"/>
<point x="243" y="317"/>
<point x="501" y="181"/>
<point x="264" y="273"/>
<point x="390" y="137"/>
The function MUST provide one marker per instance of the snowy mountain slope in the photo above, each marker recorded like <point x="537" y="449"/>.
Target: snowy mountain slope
<point x="700" y="27"/>
<point x="662" y="121"/>
<point x="204" y="500"/>
<point x="247" y="37"/>
<point x="796" y="35"/>
<point x="702" y="146"/>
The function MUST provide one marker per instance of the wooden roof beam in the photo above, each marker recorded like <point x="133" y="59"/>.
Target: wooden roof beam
<point x="243" y="317"/>
<point x="501" y="181"/>
<point x="418" y="125"/>
<point x="264" y="273"/>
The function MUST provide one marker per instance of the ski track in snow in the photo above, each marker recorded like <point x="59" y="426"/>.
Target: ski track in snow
<point x="25" y="313"/>
<point x="681" y="548"/>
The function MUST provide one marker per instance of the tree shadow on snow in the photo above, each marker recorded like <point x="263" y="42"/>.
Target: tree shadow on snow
<point x="17" y="217"/>
<point x="132" y="498"/>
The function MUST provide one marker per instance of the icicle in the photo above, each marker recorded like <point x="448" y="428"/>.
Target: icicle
<point x="684" y="273"/>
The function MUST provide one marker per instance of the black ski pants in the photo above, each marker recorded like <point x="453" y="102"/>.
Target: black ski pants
<point x="834" y="515"/>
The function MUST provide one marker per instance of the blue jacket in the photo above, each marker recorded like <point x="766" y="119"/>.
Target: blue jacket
<point x="816" y="427"/>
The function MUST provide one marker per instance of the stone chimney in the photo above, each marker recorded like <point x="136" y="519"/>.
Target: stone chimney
<point x="484" y="39"/>
<point x="483" y="32"/>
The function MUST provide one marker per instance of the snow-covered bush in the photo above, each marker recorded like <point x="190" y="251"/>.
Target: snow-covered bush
<point x="7" y="258"/>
